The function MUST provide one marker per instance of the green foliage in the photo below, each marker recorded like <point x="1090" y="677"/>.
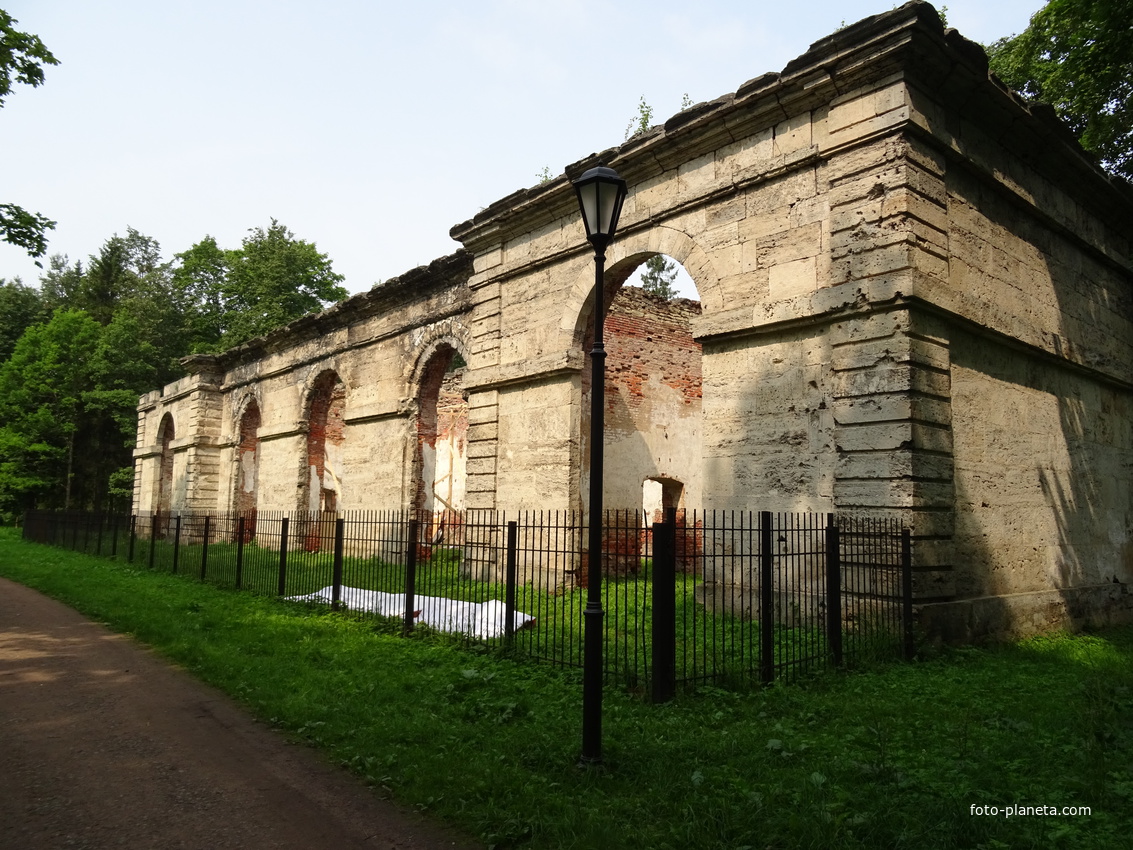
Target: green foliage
<point x="642" y="121"/>
<point x="129" y="289"/>
<point x="43" y="416"/>
<point x="22" y="57"/>
<point x="20" y="308"/>
<point x="272" y="279"/>
<point x="894" y="757"/>
<point x="120" y="489"/>
<point x="69" y="390"/>
<point x="25" y="229"/>
<point x="139" y="315"/>
<point x="117" y="326"/>
<point x="1077" y="56"/>
<point x="659" y="275"/>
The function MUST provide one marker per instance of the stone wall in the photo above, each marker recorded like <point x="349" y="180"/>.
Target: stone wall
<point x="914" y="303"/>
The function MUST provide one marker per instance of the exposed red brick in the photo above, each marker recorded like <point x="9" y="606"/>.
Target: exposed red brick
<point x="442" y="413"/>
<point x="325" y="423"/>
<point x="165" y="477"/>
<point x="247" y="454"/>
<point x="646" y="337"/>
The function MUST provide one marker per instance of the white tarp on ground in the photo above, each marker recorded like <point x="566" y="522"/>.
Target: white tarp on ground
<point x="478" y="619"/>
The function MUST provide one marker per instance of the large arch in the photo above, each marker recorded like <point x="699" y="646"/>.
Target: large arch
<point x="247" y="458"/>
<point x="439" y="435"/>
<point x="653" y="404"/>
<point x="320" y="489"/>
<point x="625" y="255"/>
<point x="163" y="483"/>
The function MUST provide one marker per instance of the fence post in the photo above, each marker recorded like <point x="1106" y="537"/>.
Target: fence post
<point x="98" y="537"/>
<point x="205" y="548"/>
<point x="664" y="631"/>
<point x="766" y="601"/>
<point x="283" y="555"/>
<point x="336" y="578"/>
<point x="834" y="590"/>
<point x="239" y="552"/>
<point x="133" y="537"/>
<point x="152" y="539"/>
<point x="512" y="574"/>
<point x="114" y="535"/>
<point x="411" y="576"/>
<point x="176" y="542"/>
<point x="907" y="593"/>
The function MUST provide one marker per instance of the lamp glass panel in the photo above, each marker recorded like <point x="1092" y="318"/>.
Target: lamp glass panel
<point x="607" y="203"/>
<point x="588" y="194"/>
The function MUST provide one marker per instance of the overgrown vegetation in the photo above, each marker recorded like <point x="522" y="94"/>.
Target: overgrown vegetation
<point x="894" y="757"/>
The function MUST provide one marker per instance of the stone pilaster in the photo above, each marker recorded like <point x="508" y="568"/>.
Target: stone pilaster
<point x="893" y="433"/>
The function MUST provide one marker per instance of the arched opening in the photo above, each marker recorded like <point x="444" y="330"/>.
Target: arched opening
<point x="163" y="500"/>
<point x="247" y="467"/>
<point x="440" y="454"/>
<point x="321" y="489"/>
<point x="653" y="400"/>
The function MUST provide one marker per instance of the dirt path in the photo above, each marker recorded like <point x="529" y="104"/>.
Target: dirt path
<point x="104" y="745"/>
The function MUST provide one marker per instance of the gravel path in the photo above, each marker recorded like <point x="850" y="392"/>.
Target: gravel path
<point x="105" y="745"/>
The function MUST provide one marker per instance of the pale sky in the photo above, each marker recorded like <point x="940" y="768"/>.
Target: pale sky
<point x="369" y="128"/>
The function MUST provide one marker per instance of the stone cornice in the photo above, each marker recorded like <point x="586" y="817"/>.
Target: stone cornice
<point x="910" y="41"/>
<point x="524" y="371"/>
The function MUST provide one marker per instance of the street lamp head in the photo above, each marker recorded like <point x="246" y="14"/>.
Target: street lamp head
<point x="600" y="195"/>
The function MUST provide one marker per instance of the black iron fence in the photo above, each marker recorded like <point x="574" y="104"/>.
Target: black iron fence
<point x="702" y="596"/>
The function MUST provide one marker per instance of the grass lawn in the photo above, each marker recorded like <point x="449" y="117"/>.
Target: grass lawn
<point x="890" y="757"/>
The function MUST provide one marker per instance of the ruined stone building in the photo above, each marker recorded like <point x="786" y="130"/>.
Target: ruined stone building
<point x="915" y="297"/>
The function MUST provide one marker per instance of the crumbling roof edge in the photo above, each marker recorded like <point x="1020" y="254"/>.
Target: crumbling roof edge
<point x="438" y="274"/>
<point x="775" y="91"/>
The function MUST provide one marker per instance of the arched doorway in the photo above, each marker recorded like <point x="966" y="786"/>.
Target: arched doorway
<point x="247" y="467"/>
<point x="164" y="483"/>
<point x="321" y="488"/>
<point x="653" y="401"/>
<point x="440" y="452"/>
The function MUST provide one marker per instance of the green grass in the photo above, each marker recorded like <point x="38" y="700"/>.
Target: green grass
<point x="889" y="757"/>
<point x="709" y="646"/>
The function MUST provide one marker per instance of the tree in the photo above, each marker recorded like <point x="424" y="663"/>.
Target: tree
<point x="42" y="424"/>
<point x="659" y="275"/>
<point x="20" y="308"/>
<point x="1077" y="56"/>
<point x="272" y="279"/>
<point x="22" y="57"/>
<point x="68" y="397"/>
<point x="199" y="278"/>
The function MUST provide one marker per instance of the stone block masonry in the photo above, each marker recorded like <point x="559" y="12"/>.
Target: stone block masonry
<point x="915" y="303"/>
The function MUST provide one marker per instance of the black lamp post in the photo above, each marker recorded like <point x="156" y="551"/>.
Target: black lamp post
<point x="600" y="195"/>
